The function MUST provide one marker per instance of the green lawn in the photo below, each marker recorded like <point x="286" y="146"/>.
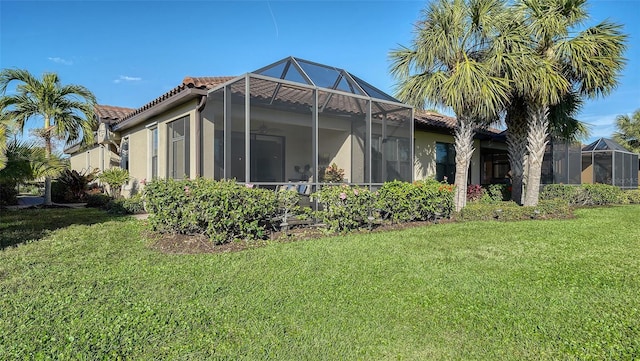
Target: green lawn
<point x="534" y="290"/>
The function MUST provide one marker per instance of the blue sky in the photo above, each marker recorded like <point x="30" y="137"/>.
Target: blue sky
<point x="130" y="52"/>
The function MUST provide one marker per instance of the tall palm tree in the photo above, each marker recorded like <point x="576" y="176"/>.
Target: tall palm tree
<point x="587" y="64"/>
<point x="67" y="111"/>
<point x="452" y="63"/>
<point x="628" y="134"/>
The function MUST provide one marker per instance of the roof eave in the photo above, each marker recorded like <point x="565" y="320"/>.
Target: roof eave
<point x="181" y="97"/>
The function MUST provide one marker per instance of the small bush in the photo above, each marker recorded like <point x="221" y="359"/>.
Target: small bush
<point x="510" y="211"/>
<point x="419" y="201"/>
<point x="584" y="195"/>
<point x="75" y="183"/>
<point x="495" y="193"/>
<point x="344" y="208"/>
<point x="632" y="196"/>
<point x="474" y="192"/>
<point x="560" y="191"/>
<point x="331" y="174"/>
<point x="222" y="210"/>
<point x="97" y="200"/>
<point x="115" y="177"/>
<point x="601" y="194"/>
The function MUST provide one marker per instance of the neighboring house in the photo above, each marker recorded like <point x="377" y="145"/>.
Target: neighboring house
<point x="101" y="155"/>
<point x="281" y="124"/>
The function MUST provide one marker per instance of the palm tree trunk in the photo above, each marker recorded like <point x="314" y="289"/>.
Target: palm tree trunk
<point x="47" y="149"/>
<point x="517" y="150"/>
<point x="537" y="140"/>
<point x="464" y="150"/>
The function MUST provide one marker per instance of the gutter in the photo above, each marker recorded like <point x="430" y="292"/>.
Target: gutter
<point x="198" y="131"/>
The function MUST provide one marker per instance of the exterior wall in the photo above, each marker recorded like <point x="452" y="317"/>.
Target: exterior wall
<point x="424" y="161"/>
<point x="140" y="145"/>
<point x="91" y="158"/>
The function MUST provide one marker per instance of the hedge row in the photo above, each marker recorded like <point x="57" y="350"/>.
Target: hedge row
<point x="345" y="207"/>
<point x="511" y="211"/>
<point x="590" y="194"/>
<point x="225" y="210"/>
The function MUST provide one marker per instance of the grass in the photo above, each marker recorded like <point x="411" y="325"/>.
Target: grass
<point x="17" y="227"/>
<point x="468" y="291"/>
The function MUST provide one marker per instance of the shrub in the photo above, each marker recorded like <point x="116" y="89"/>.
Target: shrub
<point x="222" y="210"/>
<point x="560" y="191"/>
<point x="75" y="183"/>
<point x="332" y="174"/>
<point x="601" y="194"/>
<point x="115" y="177"/>
<point x="632" y="196"/>
<point x="287" y="200"/>
<point x="474" y="192"/>
<point x="495" y="193"/>
<point x="584" y="195"/>
<point x="419" y="201"/>
<point x="133" y="205"/>
<point x="97" y="200"/>
<point x="344" y="208"/>
<point x="397" y="201"/>
<point x="510" y="211"/>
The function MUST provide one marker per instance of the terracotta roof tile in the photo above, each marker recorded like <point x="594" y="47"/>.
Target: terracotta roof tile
<point x="188" y="82"/>
<point x="205" y="82"/>
<point x="110" y="114"/>
<point x="429" y="119"/>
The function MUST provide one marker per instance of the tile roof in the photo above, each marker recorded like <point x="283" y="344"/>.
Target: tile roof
<point x="428" y="119"/>
<point x="188" y="82"/>
<point x="431" y="119"/>
<point x="110" y="114"/>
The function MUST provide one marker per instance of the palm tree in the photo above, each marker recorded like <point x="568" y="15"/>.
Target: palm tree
<point x="67" y="110"/>
<point x="587" y="64"/>
<point x="452" y="63"/>
<point x="628" y="134"/>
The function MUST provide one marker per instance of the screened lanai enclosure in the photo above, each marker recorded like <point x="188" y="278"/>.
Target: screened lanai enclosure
<point x="562" y="163"/>
<point x="607" y="162"/>
<point x="289" y="121"/>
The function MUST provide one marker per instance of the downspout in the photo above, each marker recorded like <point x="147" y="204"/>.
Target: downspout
<point x="198" y="127"/>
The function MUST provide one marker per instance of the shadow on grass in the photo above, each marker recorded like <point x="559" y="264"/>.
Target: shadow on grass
<point x="24" y="225"/>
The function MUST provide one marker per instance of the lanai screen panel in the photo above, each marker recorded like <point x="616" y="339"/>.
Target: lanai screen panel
<point x="575" y="164"/>
<point x="281" y="131"/>
<point x="212" y="134"/>
<point x="235" y="136"/>
<point x="342" y="135"/>
<point x="560" y="163"/>
<point x="391" y="143"/>
<point x="603" y="167"/>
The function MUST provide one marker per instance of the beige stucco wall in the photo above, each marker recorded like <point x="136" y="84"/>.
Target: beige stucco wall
<point x="97" y="156"/>
<point x="140" y="145"/>
<point x="425" y="155"/>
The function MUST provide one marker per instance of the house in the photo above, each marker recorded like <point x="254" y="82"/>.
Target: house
<point x="283" y="123"/>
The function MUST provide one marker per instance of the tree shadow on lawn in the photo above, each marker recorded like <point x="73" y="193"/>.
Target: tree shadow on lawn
<point x="32" y="224"/>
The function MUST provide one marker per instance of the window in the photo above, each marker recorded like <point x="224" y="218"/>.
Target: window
<point x="124" y="153"/>
<point x="445" y="162"/>
<point x="154" y="153"/>
<point x="179" y="148"/>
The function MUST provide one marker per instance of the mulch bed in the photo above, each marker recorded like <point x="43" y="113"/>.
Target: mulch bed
<point x="196" y="244"/>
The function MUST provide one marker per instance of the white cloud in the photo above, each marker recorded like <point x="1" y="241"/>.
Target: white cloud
<point x="126" y="78"/>
<point x="59" y="60"/>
